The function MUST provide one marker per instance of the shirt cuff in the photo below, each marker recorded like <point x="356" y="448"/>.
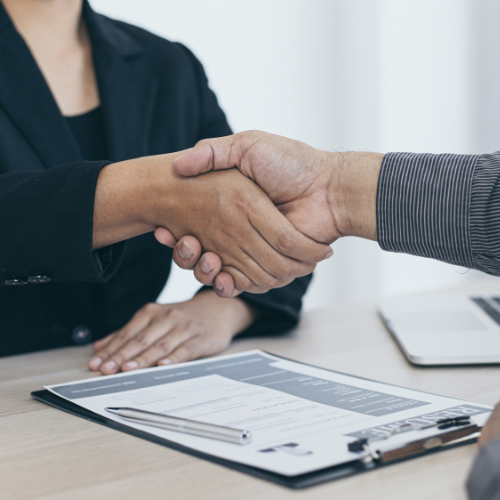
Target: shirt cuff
<point x="485" y="211"/>
<point x="484" y="479"/>
<point x="424" y="205"/>
<point x="108" y="259"/>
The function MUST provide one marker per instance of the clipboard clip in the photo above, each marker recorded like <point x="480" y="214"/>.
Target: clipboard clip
<point x="462" y="427"/>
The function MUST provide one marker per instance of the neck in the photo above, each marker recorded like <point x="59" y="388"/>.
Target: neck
<point x="54" y="25"/>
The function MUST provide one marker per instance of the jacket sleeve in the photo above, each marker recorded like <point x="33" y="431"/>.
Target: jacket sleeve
<point x="278" y="310"/>
<point x="445" y="206"/>
<point x="484" y="478"/>
<point x="47" y="223"/>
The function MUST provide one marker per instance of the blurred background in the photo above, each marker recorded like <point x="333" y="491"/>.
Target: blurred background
<point x="370" y="75"/>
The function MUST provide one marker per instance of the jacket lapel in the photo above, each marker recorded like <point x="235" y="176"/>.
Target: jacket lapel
<point x="127" y="91"/>
<point x="127" y="87"/>
<point x="27" y="99"/>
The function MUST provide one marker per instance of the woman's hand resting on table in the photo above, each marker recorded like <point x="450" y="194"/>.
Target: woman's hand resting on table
<point x="161" y="334"/>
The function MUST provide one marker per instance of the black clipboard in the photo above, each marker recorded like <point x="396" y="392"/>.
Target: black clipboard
<point x="293" y="482"/>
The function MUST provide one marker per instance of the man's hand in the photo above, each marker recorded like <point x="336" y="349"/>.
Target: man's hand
<point x="324" y="195"/>
<point x="161" y="334"/>
<point x="491" y="429"/>
<point x="227" y="212"/>
<point x="293" y="175"/>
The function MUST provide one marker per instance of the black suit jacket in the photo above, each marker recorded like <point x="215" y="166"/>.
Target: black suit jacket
<point x="155" y="99"/>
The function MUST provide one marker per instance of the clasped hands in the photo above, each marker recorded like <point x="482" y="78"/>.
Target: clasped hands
<point x="259" y="230"/>
<point x="323" y="195"/>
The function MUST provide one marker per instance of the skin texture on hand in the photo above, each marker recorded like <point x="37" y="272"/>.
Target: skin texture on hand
<point x="290" y="172"/>
<point x="491" y="429"/>
<point x="324" y="195"/>
<point x="225" y="211"/>
<point x="161" y="334"/>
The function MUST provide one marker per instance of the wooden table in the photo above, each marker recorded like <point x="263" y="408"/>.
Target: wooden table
<point x="48" y="454"/>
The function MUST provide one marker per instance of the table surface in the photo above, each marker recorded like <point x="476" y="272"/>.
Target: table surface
<point x="48" y="454"/>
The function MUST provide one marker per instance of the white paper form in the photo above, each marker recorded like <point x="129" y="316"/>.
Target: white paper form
<point x="301" y="417"/>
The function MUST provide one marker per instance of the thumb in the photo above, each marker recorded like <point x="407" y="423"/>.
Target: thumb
<point x="210" y="154"/>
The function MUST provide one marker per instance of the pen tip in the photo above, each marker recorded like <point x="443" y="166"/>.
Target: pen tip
<point x="112" y="409"/>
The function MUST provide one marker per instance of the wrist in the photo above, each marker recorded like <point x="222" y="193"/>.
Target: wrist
<point x="236" y="313"/>
<point x="352" y="192"/>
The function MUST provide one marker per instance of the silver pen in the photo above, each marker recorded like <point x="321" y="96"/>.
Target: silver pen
<point x="193" y="427"/>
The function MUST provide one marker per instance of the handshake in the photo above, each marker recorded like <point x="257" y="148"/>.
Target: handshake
<point x="276" y="206"/>
<point x="248" y="212"/>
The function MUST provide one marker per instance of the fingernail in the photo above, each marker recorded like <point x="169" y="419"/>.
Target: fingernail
<point x="218" y="285"/>
<point x="329" y="254"/>
<point x="184" y="251"/>
<point x="109" y="365"/>
<point x="95" y="363"/>
<point x="206" y="267"/>
<point x="164" y="362"/>
<point x="130" y="365"/>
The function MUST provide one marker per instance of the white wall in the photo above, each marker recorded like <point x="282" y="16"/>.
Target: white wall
<point x="383" y="75"/>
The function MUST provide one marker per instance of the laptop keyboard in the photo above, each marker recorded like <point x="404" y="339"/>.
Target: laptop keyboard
<point x="490" y="305"/>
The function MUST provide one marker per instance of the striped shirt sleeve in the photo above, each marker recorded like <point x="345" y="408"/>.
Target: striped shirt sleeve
<point x="484" y="479"/>
<point x="446" y="207"/>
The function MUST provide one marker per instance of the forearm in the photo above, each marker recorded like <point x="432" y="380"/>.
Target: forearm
<point x="46" y="225"/>
<point x="124" y="204"/>
<point x="443" y="206"/>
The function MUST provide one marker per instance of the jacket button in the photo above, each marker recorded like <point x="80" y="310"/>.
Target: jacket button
<point x="39" y="278"/>
<point x="16" y="282"/>
<point x="81" y="334"/>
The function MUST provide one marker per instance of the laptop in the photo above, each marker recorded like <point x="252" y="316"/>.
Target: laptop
<point x="445" y="329"/>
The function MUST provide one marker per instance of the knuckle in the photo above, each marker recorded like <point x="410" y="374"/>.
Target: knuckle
<point x="265" y="280"/>
<point x="104" y="354"/>
<point x="164" y="345"/>
<point x="283" y="271"/>
<point x="244" y="284"/>
<point x="152" y="307"/>
<point x="202" y="142"/>
<point x="118" y="358"/>
<point x="122" y="335"/>
<point x="141" y="339"/>
<point x="270" y="283"/>
<point x="285" y="243"/>
<point x="176" y="314"/>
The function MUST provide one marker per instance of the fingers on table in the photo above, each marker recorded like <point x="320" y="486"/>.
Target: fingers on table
<point x="103" y="358"/>
<point x="153" y="336"/>
<point x="139" y="335"/>
<point x="101" y="343"/>
<point x="162" y="348"/>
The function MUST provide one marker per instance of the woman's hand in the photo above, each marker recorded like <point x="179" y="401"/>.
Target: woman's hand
<point x="161" y="334"/>
<point x="225" y="211"/>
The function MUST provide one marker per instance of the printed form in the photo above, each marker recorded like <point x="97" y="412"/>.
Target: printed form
<point x="301" y="417"/>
